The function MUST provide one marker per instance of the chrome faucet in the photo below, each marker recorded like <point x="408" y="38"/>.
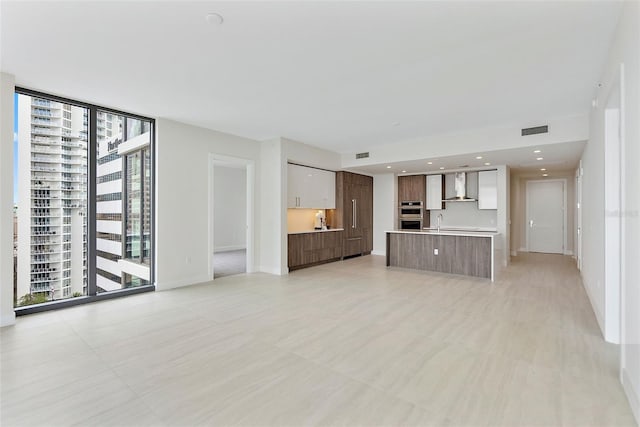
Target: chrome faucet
<point x="439" y="221"/>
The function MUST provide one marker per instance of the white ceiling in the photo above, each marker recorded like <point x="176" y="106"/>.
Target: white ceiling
<point x="345" y="76"/>
<point x="557" y="159"/>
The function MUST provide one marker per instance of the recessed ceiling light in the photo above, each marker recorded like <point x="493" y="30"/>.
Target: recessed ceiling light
<point x="545" y="174"/>
<point x="487" y="164"/>
<point x="214" y="18"/>
<point x="543" y="169"/>
<point x="478" y="157"/>
<point x="441" y="167"/>
<point x="537" y="151"/>
<point x="539" y="158"/>
<point x="404" y="171"/>
<point x="388" y="167"/>
<point x="429" y="163"/>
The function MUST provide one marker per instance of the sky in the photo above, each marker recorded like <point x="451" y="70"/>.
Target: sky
<point x="15" y="149"/>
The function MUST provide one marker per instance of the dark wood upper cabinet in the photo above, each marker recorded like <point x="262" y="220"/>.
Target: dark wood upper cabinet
<point x="411" y="188"/>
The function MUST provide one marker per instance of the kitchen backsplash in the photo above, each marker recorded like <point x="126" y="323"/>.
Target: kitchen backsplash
<point x="301" y="219"/>
<point x="464" y="214"/>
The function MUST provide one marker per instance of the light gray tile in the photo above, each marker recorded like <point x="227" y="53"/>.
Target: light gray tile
<point x="347" y="343"/>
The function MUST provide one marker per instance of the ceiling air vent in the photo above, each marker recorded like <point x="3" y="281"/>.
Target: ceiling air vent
<point x="535" y="130"/>
<point x="362" y="155"/>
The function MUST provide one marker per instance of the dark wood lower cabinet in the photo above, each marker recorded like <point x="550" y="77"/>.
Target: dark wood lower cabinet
<point x="352" y="246"/>
<point x="307" y="249"/>
<point x="472" y="256"/>
<point x="466" y="255"/>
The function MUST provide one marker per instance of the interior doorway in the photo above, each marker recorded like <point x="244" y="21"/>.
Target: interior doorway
<point x="230" y="216"/>
<point x="546" y="216"/>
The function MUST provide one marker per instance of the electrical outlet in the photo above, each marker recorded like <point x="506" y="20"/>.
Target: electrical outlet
<point x="435" y="252"/>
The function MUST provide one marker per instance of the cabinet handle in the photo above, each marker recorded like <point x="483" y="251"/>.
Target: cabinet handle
<point x="356" y="214"/>
<point x="353" y="213"/>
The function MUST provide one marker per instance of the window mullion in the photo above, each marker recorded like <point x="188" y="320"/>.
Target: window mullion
<point x="92" y="287"/>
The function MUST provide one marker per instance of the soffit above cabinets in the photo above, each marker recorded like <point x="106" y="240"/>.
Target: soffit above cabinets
<point x="555" y="157"/>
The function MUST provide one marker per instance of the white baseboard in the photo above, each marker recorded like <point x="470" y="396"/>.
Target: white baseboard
<point x="523" y="250"/>
<point x="8" y="320"/>
<point x="272" y="270"/>
<point x="632" y="395"/>
<point x="593" y="306"/>
<point x="229" y="248"/>
<point x="164" y="286"/>
<point x="381" y="253"/>
<point x="514" y="253"/>
<point x="568" y="253"/>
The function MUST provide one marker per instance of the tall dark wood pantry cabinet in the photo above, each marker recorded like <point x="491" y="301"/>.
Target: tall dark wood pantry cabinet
<point x="354" y="212"/>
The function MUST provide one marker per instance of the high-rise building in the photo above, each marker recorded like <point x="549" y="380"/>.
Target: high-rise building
<point x="52" y="206"/>
<point x="109" y="136"/>
<point x="123" y="145"/>
<point x="52" y="200"/>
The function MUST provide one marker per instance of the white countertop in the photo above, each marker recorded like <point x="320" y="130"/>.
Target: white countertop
<point x="444" y="232"/>
<point x="317" y="231"/>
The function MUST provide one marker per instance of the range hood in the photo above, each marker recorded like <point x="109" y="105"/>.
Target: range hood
<point x="460" y="186"/>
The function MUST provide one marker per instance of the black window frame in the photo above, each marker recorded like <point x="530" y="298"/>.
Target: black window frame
<point x="92" y="164"/>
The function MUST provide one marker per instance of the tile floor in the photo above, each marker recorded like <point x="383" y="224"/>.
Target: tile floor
<point x="347" y="343"/>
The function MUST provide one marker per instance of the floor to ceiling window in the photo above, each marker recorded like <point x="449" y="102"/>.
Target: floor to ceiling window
<point x="82" y="202"/>
<point x="123" y="191"/>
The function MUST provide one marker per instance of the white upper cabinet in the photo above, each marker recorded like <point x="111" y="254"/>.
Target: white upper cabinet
<point x="488" y="190"/>
<point x="310" y="188"/>
<point x="434" y="192"/>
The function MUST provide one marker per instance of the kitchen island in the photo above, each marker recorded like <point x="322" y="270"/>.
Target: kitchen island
<point x="470" y="253"/>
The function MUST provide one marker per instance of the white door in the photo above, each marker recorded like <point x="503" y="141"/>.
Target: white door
<point x="545" y="216"/>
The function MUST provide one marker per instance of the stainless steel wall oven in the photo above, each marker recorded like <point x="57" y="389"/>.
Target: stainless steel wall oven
<point x="410" y="215"/>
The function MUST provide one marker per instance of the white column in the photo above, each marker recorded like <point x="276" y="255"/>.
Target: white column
<point x="7" y="89"/>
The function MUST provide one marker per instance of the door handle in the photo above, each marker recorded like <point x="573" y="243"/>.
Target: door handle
<point x="530" y="223"/>
<point x="353" y="213"/>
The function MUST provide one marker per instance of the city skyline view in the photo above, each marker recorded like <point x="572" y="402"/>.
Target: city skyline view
<point x="51" y="172"/>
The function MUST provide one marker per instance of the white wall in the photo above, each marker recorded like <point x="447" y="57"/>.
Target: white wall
<point x="625" y="50"/>
<point x="503" y="216"/>
<point x="298" y="152"/>
<point x="385" y="202"/>
<point x="464" y="214"/>
<point x="182" y="223"/>
<point x="272" y="208"/>
<point x="477" y="140"/>
<point x="519" y="208"/>
<point x="229" y="207"/>
<point x="7" y="88"/>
